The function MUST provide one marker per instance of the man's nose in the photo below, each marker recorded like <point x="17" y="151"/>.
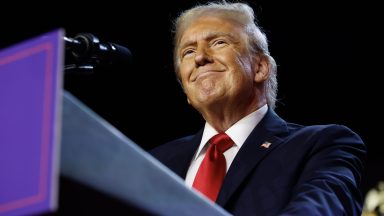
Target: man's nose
<point x="203" y="56"/>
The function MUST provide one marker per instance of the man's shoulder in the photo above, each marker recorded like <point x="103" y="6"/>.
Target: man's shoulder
<point x="329" y="134"/>
<point x="320" y="129"/>
<point x="173" y="144"/>
<point x="173" y="147"/>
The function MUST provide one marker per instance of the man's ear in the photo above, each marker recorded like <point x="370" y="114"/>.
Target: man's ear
<point x="261" y="68"/>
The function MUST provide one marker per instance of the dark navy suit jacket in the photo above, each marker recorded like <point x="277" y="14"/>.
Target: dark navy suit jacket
<point x="311" y="170"/>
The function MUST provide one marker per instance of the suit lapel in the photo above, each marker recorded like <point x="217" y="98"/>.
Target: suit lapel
<point x="262" y="140"/>
<point x="180" y="163"/>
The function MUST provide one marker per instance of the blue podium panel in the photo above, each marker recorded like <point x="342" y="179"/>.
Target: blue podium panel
<point x="30" y="97"/>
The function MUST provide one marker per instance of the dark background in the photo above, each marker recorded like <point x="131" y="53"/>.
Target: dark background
<point x="327" y="53"/>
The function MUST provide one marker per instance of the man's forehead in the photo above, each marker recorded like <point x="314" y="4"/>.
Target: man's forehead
<point x="208" y="28"/>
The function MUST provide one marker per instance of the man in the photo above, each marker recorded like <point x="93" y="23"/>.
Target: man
<point x="268" y="166"/>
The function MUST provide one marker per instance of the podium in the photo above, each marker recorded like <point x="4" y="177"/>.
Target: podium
<point x="76" y="143"/>
<point x="95" y="153"/>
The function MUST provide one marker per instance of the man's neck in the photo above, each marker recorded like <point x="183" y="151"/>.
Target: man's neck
<point x="223" y="119"/>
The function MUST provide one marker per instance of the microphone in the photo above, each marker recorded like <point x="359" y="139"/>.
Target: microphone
<point x="86" y="48"/>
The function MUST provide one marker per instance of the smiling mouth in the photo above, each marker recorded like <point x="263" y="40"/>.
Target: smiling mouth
<point x="206" y="73"/>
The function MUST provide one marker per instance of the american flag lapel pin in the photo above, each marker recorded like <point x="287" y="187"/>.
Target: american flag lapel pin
<point x="266" y="145"/>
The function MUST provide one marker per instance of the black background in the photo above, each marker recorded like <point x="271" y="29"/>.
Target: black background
<point x="328" y="56"/>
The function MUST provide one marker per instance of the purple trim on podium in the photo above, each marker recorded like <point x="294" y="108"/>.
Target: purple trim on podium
<point x="30" y="83"/>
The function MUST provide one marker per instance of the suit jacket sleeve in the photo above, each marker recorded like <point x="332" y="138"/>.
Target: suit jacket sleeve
<point x="330" y="180"/>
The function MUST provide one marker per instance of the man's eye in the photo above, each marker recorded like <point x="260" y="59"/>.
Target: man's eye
<point x="219" y="43"/>
<point x="187" y="52"/>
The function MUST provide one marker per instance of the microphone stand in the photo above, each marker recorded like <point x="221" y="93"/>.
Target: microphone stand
<point x="75" y="49"/>
<point x="83" y="69"/>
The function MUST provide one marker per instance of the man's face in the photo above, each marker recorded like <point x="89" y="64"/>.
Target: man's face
<point x="215" y="65"/>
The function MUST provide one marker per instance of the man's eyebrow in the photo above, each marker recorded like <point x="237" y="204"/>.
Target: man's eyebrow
<point x="207" y="36"/>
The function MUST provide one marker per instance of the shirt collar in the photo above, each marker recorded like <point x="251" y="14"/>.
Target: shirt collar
<point x="238" y="132"/>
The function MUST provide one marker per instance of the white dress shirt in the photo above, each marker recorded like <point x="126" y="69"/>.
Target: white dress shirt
<point x="238" y="133"/>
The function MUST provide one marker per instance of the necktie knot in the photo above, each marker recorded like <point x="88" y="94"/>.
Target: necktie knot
<point x="222" y="142"/>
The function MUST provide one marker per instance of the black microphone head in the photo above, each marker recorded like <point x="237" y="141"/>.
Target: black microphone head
<point x="120" y="53"/>
<point x="86" y="47"/>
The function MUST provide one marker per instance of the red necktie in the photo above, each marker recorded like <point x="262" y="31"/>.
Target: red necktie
<point x="212" y="170"/>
